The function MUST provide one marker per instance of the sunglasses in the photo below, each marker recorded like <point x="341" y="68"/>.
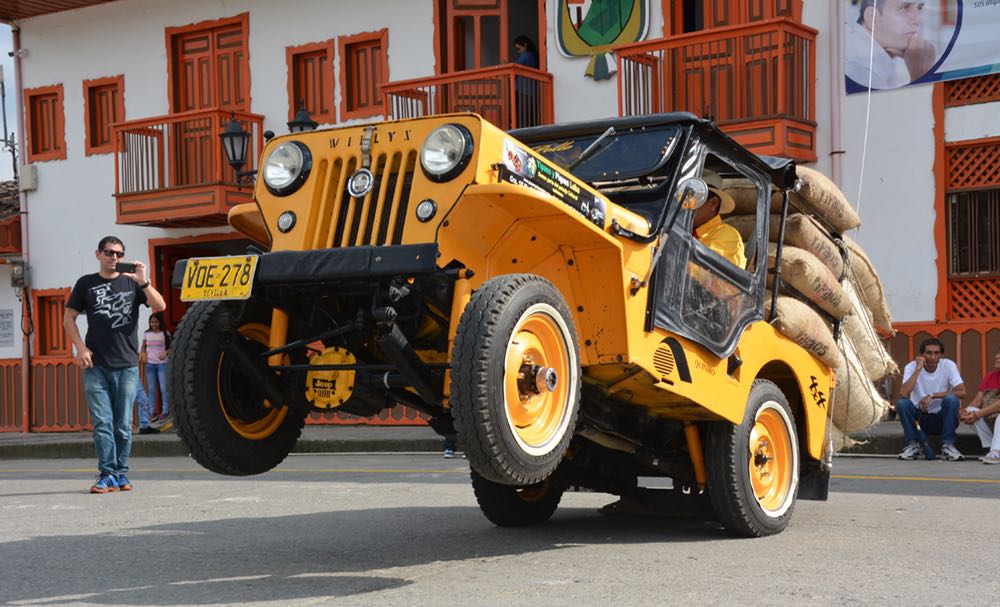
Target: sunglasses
<point x="111" y="253"/>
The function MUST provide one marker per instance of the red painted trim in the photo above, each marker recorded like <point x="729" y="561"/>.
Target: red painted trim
<point x="60" y="122"/>
<point x="291" y="54"/>
<point x="940" y="235"/>
<point x="343" y="42"/>
<point x="243" y="19"/>
<point x="119" y="94"/>
<point x="36" y="296"/>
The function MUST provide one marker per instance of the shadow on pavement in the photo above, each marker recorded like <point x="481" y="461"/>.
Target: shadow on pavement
<point x="297" y="557"/>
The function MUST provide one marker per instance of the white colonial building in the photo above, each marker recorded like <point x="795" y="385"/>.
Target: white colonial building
<point x="121" y="103"/>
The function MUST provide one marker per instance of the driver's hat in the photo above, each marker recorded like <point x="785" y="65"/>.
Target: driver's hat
<point x="714" y="181"/>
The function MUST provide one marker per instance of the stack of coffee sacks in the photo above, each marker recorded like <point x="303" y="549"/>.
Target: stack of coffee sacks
<point x="827" y="278"/>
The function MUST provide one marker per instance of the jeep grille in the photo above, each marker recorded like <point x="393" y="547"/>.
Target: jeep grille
<point x="375" y="219"/>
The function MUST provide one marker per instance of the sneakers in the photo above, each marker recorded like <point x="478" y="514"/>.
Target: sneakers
<point x="449" y="453"/>
<point x="911" y="451"/>
<point x="106" y="484"/>
<point x="993" y="457"/>
<point x="950" y="453"/>
<point x="148" y="430"/>
<point x="123" y="483"/>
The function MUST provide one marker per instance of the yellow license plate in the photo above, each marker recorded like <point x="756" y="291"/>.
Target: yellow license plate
<point x="219" y="278"/>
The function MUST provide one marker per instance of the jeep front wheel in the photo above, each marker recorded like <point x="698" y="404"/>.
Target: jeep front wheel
<point x="227" y="426"/>
<point x="515" y="379"/>
<point x="753" y="467"/>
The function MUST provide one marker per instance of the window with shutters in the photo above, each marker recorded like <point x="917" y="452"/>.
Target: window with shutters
<point x="364" y="68"/>
<point x="50" y="338"/>
<point x="310" y="81"/>
<point x="46" y="123"/>
<point x="103" y="106"/>
<point x="208" y="65"/>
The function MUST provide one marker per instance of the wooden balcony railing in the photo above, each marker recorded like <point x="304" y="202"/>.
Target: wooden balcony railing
<point x="756" y="81"/>
<point x="171" y="171"/>
<point x="509" y="96"/>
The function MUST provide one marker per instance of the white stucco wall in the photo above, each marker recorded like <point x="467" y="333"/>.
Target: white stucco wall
<point x="73" y="206"/>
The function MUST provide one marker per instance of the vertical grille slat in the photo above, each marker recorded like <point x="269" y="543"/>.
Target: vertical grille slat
<point x="378" y="218"/>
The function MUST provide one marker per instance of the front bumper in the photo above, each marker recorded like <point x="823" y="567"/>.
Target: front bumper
<point x="330" y="265"/>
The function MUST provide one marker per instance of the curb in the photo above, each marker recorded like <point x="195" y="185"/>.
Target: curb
<point x="80" y="449"/>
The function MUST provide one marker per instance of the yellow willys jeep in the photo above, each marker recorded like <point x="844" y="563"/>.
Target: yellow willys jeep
<point x="540" y="293"/>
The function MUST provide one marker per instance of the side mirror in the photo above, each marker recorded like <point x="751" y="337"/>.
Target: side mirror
<point x="692" y="193"/>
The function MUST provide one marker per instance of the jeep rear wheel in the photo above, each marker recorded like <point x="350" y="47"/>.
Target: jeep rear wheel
<point x="753" y="467"/>
<point x="228" y="427"/>
<point x="507" y="506"/>
<point x="515" y="379"/>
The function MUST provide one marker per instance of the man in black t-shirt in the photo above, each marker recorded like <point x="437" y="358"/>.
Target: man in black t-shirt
<point x="110" y="356"/>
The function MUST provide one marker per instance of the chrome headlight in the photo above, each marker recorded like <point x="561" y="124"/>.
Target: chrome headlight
<point x="446" y="152"/>
<point x="286" y="168"/>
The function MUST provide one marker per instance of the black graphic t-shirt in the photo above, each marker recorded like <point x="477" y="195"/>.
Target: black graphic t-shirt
<point x="112" y="309"/>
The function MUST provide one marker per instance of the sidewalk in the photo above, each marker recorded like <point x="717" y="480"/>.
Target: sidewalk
<point x="885" y="438"/>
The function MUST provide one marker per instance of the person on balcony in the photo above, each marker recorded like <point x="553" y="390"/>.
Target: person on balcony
<point x="527" y="89"/>
<point x="110" y="355"/>
<point x="929" y="401"/>
<point x="984" y="411"/>
<point x="899" y="55"/>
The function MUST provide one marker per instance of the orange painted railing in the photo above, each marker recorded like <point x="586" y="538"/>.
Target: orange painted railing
<point x="179" y="150"/>
<point x="10" y="395"/>
<point x="58" y="398"/>
<point x="737" y="73"/>
<point x="397" y="416"/>
<point x="509" y="96"/>
<point x="971" y="345"/>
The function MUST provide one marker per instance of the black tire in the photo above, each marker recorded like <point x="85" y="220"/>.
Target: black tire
<point x="763" y="448"/>
<point x="507" y="506"/>
<point x="521" y="443"/>
<point x="225" y="425"/>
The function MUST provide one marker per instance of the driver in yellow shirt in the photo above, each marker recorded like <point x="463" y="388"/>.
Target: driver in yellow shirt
<point x="708" y="227"/>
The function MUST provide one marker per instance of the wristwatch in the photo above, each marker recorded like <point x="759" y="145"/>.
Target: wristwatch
<point x="143" y="285"/>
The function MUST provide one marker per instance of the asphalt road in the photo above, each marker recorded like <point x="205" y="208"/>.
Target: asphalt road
<point x="406" y="530"/>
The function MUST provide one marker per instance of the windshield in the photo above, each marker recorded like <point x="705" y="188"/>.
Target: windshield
<point x="621" y="155"/>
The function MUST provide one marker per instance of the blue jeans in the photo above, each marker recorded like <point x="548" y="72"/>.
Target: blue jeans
<point x="142" y="404"/>
<point x="156" y="373"/>
<point x="110" y="394"/>
<point x="943" y="423"/>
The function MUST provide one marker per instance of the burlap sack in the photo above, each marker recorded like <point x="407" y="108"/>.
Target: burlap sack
<point x="801" y="231"/>
<point x="860" y="331"/>
<point x="866" y="283"/>
<point x="801" y="324"/>
<point x="824" y="198"/>
<point x="840" y="439"/>
<point x="808" y="275"/>
<point x="744" y="194"/>
<point x="856" y="403"/>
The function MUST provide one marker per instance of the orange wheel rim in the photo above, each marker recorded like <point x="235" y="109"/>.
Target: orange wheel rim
<point x="538" y="346"/>
<point x="772" y="462"/>
<point x="533" y="493"/>
<point x="266" y="426"/>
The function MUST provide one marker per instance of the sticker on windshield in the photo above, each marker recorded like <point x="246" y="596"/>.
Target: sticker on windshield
<point x="521" y="168"/>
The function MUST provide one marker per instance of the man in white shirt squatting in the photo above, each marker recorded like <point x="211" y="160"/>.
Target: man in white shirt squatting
<point x="932" y="387"/>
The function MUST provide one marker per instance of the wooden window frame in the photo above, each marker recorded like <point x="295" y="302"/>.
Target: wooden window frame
<point x="44" y="294"/>
<point x="119" y="95"/>
<point x="60" y="122"/>
<point x="292" y="53"/>
<point x="344" y="43"/>
<point x="243" y="19"/>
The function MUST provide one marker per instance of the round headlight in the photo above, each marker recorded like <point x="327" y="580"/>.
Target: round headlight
<point x="286" y="221"/>
<point x="426" y="210"/>
<point x="286" y="168"/>
<point x="445" y="152"/>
